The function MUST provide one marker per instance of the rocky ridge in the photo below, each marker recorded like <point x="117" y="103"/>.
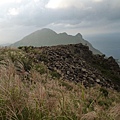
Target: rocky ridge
<point x="75" y="62"/>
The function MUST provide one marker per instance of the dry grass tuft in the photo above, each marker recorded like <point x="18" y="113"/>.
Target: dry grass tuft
<point x="115" y="112"/>
<point x="89" y="116"/>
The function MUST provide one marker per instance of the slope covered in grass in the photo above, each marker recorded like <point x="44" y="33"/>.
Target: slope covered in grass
<point x="29" y="91"/>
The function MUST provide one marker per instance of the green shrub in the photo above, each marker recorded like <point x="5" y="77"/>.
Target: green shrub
<point x="41" y="68"/>
<point x="104" y="92"/>
<point x="55" y="74"/>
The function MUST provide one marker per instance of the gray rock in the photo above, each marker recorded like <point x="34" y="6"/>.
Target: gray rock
<point x="98" y="80"/>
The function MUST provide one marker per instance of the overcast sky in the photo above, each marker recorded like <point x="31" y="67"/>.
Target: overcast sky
<point x="18" y="18"/>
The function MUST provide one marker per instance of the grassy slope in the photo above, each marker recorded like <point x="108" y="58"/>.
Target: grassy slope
<point x="45" y="98"/>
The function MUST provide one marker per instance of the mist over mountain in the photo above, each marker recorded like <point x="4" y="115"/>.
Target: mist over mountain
<point x="48" y="37"/>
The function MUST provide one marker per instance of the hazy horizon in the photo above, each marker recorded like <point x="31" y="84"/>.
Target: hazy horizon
<point x="108" y="44"/>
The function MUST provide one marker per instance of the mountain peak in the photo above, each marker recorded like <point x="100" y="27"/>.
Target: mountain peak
<point x="79" y="35"/>
<point x="47" y="30"/>
<point x="64" y="33"/>
<point x="48" y="37"/>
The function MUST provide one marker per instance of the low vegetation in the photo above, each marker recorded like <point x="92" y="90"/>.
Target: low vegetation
<point x="29" y="91"/>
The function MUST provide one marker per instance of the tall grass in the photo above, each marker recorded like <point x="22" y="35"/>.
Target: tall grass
<point x="42" y="98"/>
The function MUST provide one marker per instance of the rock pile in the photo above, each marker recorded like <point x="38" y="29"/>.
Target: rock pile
<point x="77" y="63"/>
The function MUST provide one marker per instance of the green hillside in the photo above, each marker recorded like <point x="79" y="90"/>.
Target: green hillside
<point x="47" y="37"/>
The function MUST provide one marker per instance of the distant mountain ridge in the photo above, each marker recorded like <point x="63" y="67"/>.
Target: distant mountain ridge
<point x="48" y="37"/>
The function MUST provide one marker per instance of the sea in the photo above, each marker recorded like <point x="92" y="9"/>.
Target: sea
<point x="108" y="44"/>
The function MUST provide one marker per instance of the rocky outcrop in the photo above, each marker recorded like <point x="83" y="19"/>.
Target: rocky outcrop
<point x="77" y="63"/>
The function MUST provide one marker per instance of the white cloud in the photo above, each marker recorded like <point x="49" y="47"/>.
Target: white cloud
<point x="36" y="0"/>
<point x="53" y="4"/>
<point x="9" y="1"/>
<point x="13" y="11"/>
<point x="97" y="0"/>
<point x="56" y="4"/>
<point x="6" y="1"/>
